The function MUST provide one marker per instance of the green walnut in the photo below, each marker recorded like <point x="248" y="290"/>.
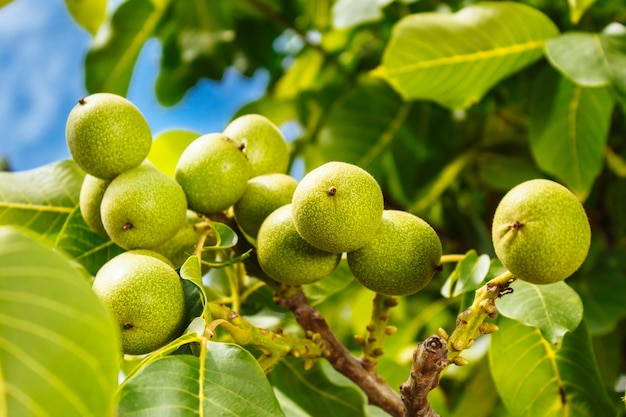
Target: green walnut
<point x="286" y="257"/>
<point x="337" y="207"/>
<point x="213" y="172"/>
<point x="146" y="298"/>
<point x="107" y="135"/>
<point x="541" y="232"/>
<point x="142" y="208"/>
<point x="401" y="259"/>
<point x="263" y="195"/>
<point x="262" y="142"/>
<point x="90" y="198"/>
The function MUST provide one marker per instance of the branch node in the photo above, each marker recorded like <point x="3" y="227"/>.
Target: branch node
<point x="488" y="328"/>
<point x="429" y="359"/>
<point x="459" y="361"/>
<point x="390" y="330"/>
<point x="443" y="334"/>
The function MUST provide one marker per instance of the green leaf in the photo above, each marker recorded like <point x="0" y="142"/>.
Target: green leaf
<point x="195" y="294"/>
<point x="5" y="2"/>
<point x="204" y="38"/>
<point x="225" y="236"/>
<point x="478" y="395"/>
<point x="40" y="199"/>
<point x="552" y="382"/>
<point x="431" y="193"/>
<point x="195" y="299"/>
<point x="591" y="59"/>
<point x="59" y="348"/>
<point x="603" y="309"/>
<point x="109" y="63"/>
<point x="335" y="395"/>
<point x="197" y="41"/>
<point x="225" y="381"/>
<point x="88" y="13"/>
<point x="615" y="208"/>
<point x="577" y="8"/>
<point x="347" y="13"/>
<point x="503" y="172"/>
<point x="190" y="270"/>
<point x="554" y="309"/>
<point x="468" y="275"/>
<point x="339" y="279"/>
<point x="615" y="163"/>
<point x="167" y="148"/>
<point x="372" y="127"/>
<point x="454" y="59"/>
<point x="83" y="244"/>
<point x="303" y="74"/>
<point x="569" y="127"/>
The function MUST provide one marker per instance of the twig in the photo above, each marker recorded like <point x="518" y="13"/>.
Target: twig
<point x="377" y="329"/>
<point x="363" y="373"/>
<point x="429" y="359"/>
<point x="471" y="323"/>
<point x="273" y="345"/>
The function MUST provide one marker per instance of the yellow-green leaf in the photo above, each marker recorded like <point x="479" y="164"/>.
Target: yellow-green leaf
<point x="591" y="59"/>
<point x="59" y="348"/>
<point x="454" y="59"/>
<point x="551" y="382"/>
<point x="577" y="8"/>
<point x="167" y="148"/>
<point x="347" y="13"/>
<point x="225" y="380"/>
<point x="110" y="62"/>
<point x="84" y="245"/>
<point x="569" y="127"/>
<point x="40" y="199"/>
<point x="554" y="309"/>
<point x="88" y="13"/>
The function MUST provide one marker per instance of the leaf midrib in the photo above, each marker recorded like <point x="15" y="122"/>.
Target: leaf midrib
<point x="470" y="57"/>
<point x="36" y="207"/>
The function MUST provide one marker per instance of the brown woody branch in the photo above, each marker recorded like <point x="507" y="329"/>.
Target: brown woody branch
<point x="429" y="359"/>
<point x="363" y="373"/>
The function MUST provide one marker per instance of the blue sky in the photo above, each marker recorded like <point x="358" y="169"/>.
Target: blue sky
<point x="41" y="77"/>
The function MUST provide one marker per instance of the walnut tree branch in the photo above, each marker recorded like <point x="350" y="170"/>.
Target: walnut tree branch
<point x="363" y="373"/>
<point x="429" y="359"/>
